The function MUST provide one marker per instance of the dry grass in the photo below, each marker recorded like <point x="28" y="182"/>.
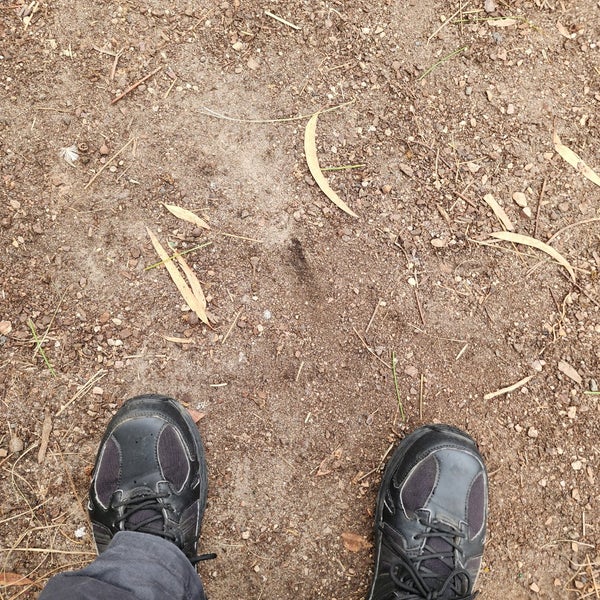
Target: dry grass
<point x="585" y="581"/>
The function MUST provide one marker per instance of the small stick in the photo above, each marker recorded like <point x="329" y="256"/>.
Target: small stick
<point x="537" y="212"/>
<point x="369" y="349"/>
<point x="372" y="317"/>
<point x="299" y="370"/>
<point x="171" y="87"/>
<point x="463" y="197"/>
<point x="240" y="237"/>
<point x="87" y="185"/>
<point x="379" y="465"/>
<point x="102" y="51"/>
<point x="400" y="407"/>
<point x="239" y="312"/>
<point x="46" y="431"/>
<point x="421" y="396"/>
<point x="135" y="85"/>
<point x="461" y="352"/>
<point x="282" y="20"/>
<point x="507" y="390"/>
<point x="419" y="306"/>
<point x="115" y="62"/>
<point x="85" y="388"/>
<point x="448" y="20"/>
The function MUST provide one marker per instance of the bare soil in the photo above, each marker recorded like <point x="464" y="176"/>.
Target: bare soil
<point x="309" y="304"/>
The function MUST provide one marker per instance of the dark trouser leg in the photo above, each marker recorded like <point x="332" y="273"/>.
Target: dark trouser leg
<point x="136" y="566"/>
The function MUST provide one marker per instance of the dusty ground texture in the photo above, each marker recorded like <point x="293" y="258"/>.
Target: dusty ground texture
<point x="309" y="303"/>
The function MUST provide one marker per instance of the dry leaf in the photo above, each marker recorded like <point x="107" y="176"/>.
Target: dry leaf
<point x="517" y="238"/>
<point x="329" y="463"/>
<point x="196" y="414"/>
<point x="8" y="579"/>
<point x="193" y="280"/>
<point x="184" y="289"/>
<point x="499" y="212"/>
<point x="574" y="160"/>
<point x="569" y="371"/>
<point x="353" y="542"/>
<point x="506" y="22"/>
<point x="187" y="215"/>
<point x="310" y="150"/>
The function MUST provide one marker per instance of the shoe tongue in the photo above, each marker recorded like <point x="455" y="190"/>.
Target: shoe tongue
<point x="155" y="526"/>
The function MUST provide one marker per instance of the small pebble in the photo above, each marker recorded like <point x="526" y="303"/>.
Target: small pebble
<point x="532" y="432"/>
<point x="104" y="150"/>
<point x="520" y="198"/>
<point x="245" y="535"/>
<point x="15" y="445"/>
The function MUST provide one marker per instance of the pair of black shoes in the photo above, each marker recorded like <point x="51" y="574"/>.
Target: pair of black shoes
<point x="430" y="522"/>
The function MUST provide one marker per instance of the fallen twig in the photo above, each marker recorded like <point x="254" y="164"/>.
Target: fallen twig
<point x="87" y="185"/>
<point x="282" y="20"/>
<point x="45" y="438"/>
<point x="135" y="85"/>
<point x="84" y="389"/>
<point x="510" y="388"/>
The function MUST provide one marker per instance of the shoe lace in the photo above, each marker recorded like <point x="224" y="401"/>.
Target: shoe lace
<point x="144" y="513"/>
<point x="413" y="576"/>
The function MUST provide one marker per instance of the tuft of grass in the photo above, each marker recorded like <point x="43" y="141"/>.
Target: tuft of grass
<point x="441" y="62"/>
<point x="38" y="346"/>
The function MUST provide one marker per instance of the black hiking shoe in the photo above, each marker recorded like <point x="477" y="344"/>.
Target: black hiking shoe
<point x="431" y="517"/>
<point x="150" y="475"/>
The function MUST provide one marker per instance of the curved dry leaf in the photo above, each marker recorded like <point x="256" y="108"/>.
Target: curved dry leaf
<point x="575" y="160"/>
<point x="517" y="238"/>
<point x="184" y="289"/>
<point x="310" y="150"/>
<point x="499" y="212"/>
<point x="187" y="215"/>
<point x="193" y="280"/>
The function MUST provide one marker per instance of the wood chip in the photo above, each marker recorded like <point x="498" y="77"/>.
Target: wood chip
<point x="499" y="212"/>
<point x="45" y="438"/>
<point x="510" y="388"/>
<point x="184" y="289"/>
<point x="178" y="340"/>
<point x="565" y="368"/>
<point x="310" y="151"/>
<point x="354" y="542"/>
<point x="517" y="238"/>
<point x="574" y="160"/>
<point x="196" y="414"/>
<point x="187" y="215"/>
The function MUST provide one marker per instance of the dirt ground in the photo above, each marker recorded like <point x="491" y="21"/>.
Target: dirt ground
<point x="443" y="103"/>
